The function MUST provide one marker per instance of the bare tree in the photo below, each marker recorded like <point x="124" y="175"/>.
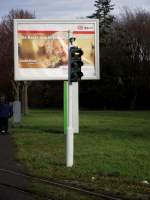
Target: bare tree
<point x="129" y="50"/>
<point x="7" y="50"/>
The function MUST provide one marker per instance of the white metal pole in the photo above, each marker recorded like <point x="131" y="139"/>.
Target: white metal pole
<point x="70" y="135"/>
<point x="75" y="107"/>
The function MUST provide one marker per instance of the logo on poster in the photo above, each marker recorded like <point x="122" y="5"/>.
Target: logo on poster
<point x="81" y="27"/>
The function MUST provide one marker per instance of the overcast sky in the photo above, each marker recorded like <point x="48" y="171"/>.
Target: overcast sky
<point x="66" y="8"/>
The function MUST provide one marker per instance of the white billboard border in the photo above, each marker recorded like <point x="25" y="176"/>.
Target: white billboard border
<point x="56" y="21"/>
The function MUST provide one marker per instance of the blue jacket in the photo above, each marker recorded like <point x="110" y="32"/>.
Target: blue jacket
<point x="6" y="110"/>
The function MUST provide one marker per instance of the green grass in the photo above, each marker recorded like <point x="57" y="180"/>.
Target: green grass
<point x="112" y="146"/>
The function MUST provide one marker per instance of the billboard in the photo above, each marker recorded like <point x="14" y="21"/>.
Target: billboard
<point x="41" y="48"/>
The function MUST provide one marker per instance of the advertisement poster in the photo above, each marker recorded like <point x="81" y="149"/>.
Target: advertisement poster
<point x="41" y="48"/>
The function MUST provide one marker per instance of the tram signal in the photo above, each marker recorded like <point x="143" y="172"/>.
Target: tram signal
<point x="75" y="64"/>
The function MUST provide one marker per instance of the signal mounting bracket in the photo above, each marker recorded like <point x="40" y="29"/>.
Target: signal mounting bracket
<point x="71" y="40"/>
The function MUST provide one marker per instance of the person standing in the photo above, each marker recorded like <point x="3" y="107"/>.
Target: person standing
<point x="6" y="111"/>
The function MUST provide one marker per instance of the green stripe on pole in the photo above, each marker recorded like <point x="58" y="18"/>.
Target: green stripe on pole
<point x="65" y="106"/>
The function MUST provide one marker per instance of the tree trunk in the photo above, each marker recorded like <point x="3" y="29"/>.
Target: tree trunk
<point x="133" y="103"/>
<point x="24" y="97"/>
<point x="16" y="88"/>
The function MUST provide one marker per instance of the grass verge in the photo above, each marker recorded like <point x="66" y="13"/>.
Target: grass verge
<point x="112" y="151"/>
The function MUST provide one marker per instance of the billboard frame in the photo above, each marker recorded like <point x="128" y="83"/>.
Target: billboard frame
<point x="56" y="21"/>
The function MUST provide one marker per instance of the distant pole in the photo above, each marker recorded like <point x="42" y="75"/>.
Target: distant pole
<point x="70" y="134"/>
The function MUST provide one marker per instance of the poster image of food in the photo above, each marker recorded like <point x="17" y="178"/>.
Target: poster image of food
<point x="41" y="48"/>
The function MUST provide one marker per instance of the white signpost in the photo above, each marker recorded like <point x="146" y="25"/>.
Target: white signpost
<point x="41" y="53"/>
